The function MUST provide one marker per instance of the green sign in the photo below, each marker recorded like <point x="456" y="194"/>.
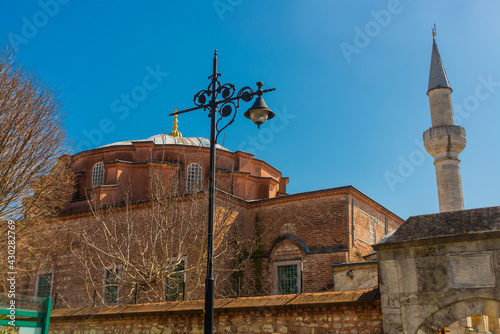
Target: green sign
<point x="24" y="314"/>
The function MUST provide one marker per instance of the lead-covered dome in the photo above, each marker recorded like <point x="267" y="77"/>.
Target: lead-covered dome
<point x="163" y="139"/>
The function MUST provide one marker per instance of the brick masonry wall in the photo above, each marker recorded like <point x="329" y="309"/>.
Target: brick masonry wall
<point x="303" y="318"/>
<point x="318" y="222"/>
<point x="323" y="225"/>
<point x="321" y="222"/>
<point x="361" y="214"/>
<point x="361" y="244"/>
<point x="317" y="276"/>
<point x="74" y="283"/>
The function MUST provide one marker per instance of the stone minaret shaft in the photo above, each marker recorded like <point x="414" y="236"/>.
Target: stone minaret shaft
<point x="444" y="140"/>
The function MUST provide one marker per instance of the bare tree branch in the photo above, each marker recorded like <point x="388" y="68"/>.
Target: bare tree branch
<point x="148" y="241"/>
<point x="31" y="140"/>
<point x="34" y="174"/>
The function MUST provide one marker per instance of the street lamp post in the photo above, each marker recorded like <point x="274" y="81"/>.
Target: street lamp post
<point x="226" y="108"/>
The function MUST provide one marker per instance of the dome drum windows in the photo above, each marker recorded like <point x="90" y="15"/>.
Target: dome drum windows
<point x="97" y="175"/>
<point x="193" y="178"/>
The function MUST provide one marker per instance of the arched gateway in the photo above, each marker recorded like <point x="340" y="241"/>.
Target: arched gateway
<point x="437" y="269"/>
<point x="461" y="310"/>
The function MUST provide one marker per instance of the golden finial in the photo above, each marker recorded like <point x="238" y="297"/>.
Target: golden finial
<point x="434" y="31"/>
<point x="175" y="133"/>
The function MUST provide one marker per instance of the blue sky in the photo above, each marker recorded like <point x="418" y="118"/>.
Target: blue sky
<point x="351" y="79"/>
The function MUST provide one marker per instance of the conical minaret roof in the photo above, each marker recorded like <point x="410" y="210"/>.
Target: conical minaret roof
<point x="437" y="74"/>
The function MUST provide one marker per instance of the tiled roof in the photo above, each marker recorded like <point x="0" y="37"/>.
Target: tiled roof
<point x="454" y="223"/>
<point x="304" y="299"/>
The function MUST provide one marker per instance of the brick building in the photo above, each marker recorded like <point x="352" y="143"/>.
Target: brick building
<point x="287" y="242"/>
<point x="295" y="262"/>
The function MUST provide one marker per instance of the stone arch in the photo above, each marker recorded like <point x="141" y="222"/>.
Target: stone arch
<point x="297" y="242"/>
<point x="459" y="310"/>
<point x="286" y="260"/>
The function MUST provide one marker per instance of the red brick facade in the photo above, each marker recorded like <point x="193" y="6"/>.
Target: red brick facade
<point x="307" y="232"/>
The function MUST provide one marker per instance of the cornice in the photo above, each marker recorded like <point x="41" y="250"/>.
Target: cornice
<point x="299" y="196"/>
<point x="345" y="190"/>
<point x="100" y="150"/>
<point x="438" y="240"/>
<point x="137" y="164"/>
<point x="134" y="145"/>
<point x="249" y="176"/>
<point x="142" y="204"/>
<point x="360" y="195"/>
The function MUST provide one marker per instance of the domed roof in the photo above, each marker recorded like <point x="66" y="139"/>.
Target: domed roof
<point x="162" y="139"/>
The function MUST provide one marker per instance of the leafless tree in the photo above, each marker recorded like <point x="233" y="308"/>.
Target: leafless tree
<point x="34" y="172"/>
<point x="32" y="139"/>
<point x="149" y="244"/>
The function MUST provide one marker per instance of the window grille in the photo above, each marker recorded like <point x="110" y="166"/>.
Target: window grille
<point x="44" y="287"/>
<point x="111" y="281"/>
<point x="194" y="176"/>
<point x="97" y="174"/>
<point x="287" y="279"/>
<point x="174" y="284"/>
<point x="372" y="233"/>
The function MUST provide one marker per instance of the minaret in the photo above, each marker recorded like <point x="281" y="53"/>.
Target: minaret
<point x="444" y="140"/>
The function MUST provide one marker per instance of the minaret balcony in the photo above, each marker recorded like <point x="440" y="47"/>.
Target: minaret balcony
<point x="445" y="141"/>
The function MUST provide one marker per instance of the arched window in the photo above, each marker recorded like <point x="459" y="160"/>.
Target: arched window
<point x="97" y="174"/>
<point x="193" y="180"/>
<point x="286" y="255"/>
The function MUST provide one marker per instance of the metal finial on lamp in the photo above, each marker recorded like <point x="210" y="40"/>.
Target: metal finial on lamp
<point x="259" y="112"/>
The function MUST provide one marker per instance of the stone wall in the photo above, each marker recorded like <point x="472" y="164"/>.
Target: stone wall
<point x="437" y="269"/>
<point x="349" y="312"/>
<point x="355" y="276"/>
